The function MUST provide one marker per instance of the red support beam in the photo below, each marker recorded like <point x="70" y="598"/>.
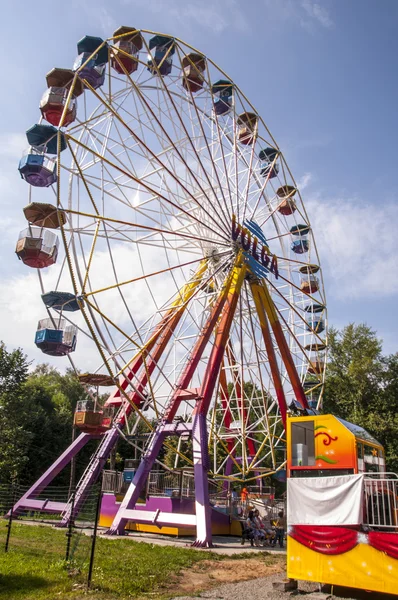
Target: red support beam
<point x="266" y="301"/>
<point x="269" y="346"/>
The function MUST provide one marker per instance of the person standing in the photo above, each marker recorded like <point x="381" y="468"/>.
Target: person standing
<point x="280" y="528"/>
<point x="243" y="498"/>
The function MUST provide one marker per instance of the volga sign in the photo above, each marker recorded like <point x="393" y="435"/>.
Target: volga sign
<point x="253" y="241"/>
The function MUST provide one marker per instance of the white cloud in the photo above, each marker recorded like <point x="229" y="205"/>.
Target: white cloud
<point x="189" y="16"/>
<point x="309" y="14"/>
<point x="357" y="245"/>
<point x="106" y="21"/>
<point x="215" y="17"/>
<point x="304" y="181"/>
<point x="12" y="145"/>
<point x="317" y="12"/>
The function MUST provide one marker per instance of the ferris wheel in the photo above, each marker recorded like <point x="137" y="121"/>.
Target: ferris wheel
<point x="176" y="242"/>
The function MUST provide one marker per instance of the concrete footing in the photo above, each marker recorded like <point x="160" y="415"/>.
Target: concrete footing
<point x="287" y="585"/>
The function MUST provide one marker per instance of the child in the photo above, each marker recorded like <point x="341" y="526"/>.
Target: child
<point x="280" y="527"/>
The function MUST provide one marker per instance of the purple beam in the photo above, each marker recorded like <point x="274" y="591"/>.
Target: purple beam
<point x="92" y="473"/>
<point x="177" y="428"/>
<point x="161" y="518"/>
<point x="201" y="460"/>
<point x="135" y="487"/>
<point x="52" y="471"/>
<point x="200" y="469"/>
<point x="99" y="460"/>
<point x="45" y="505"/>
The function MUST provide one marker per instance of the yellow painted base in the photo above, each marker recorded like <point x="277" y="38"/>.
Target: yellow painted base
<point x="363" y="567"/>
<point x="233" y="529"/>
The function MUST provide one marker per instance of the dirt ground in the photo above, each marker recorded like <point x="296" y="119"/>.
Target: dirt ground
<point x="211" y="573"/>
<point x="244" y="578"/>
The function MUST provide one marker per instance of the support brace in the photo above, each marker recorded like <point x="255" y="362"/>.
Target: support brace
<point x="151" y="352"/>
<point x="224" y="305"/>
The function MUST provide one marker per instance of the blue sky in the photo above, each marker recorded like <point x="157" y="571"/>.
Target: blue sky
<point x="322" y="74"/>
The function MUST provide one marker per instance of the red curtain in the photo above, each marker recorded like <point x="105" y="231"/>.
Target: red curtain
<point x="337" y="540"/>
<point x="385" y="542"/>
<point x="327" y="540"/>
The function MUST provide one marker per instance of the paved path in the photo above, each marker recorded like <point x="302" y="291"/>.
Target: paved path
<point x="222" y="545"/>
<point x="228" y="545"/>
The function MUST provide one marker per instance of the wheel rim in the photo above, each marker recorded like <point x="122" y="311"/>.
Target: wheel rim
<point x="155" y="180"/>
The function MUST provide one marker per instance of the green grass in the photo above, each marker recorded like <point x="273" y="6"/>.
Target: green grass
<point x="35" y="569"/>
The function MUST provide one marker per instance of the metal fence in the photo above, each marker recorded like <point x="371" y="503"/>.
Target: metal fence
<point x="181" y="484"/>
<point x="25" y="532"/>
<point x="160" y="483"/>
<point x="381" y="501"/>
<point x="112" y="482"/>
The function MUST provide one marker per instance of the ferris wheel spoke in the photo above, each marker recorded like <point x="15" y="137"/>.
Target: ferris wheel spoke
<point x="304" y="322"/>
<point x="152" y="154"/>
<point x="153" y="171"/>
<point x="175" y="148"/>
<point x="179" y="266"/>
<point x="109" y="334"/>
<point x="151" y="190"/>
<point x="199" y="118"/>
<point x="138" y="226"/>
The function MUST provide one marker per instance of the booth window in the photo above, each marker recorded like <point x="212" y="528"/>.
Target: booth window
<point x="303" y="444"/>
<point x="359" y="450"/>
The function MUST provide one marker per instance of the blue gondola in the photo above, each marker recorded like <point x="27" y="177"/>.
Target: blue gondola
<point x="315" y="322"/>
<point x="93" y="73"/>
<point x="160" y="57"/>
<point x="57" y="339"/>
<point x="37" y="169"/>
<point x="300" y="245"/>
<point x="222" y="96"/>
<point x="64" y="301"/>
<point x="89" y="44"/>
<point x="94" y="52"/>
<point x="46" y="138"/>
<point x="267" y="157"/>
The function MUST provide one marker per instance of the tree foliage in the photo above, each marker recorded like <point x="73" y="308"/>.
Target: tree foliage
<point x="36" y="415"/>
<point x="362" y="385"/>
<point x="36" y="408"/>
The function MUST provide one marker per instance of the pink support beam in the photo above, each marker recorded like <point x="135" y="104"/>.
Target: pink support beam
<point x="152" y="353"/>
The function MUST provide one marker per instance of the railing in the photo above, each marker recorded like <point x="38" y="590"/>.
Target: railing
<point x="112" y="481"/>
<point x="381" y="501"/>
<point x="181" y="484"/>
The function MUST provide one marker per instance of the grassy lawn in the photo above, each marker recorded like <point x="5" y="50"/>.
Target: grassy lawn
<point x="34" y="568"/>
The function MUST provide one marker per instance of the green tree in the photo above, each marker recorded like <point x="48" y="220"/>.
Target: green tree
<point x="362" y="385"/>
<point x="36" y="416"/>
<point x="14" y="439"/>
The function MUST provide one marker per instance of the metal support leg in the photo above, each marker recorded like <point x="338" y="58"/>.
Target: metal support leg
<point x="137" y="484"/>
<point x="27" y="501"/>
<point x="227" y="298"/>
<point x="201" y="467"/>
